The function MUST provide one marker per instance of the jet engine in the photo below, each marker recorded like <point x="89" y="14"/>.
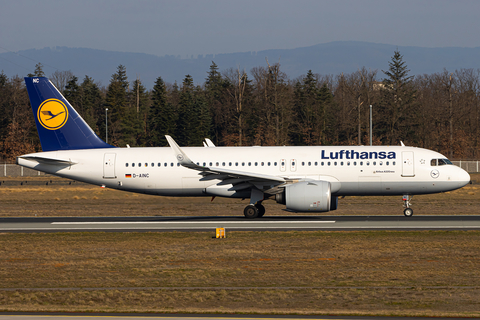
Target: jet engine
<point x="308" y="196"/>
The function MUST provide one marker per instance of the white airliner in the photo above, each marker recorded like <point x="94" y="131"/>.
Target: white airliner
<point x="304" y="179"/>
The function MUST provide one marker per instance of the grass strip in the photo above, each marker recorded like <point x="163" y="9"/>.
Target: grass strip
<point x="405" y="273"/>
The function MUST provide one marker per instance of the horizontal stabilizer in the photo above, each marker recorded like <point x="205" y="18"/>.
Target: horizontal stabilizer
<point x="48" y="161"/>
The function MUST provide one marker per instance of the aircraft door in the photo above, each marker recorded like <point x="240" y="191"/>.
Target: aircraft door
<point x="408" y="168"/>
<point x="109" y="166"/>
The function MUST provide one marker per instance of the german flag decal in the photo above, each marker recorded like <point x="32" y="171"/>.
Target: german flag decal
<point x="128" y="176"/>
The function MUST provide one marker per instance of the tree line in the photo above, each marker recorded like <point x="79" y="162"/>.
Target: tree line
<point x="437" y="111"/>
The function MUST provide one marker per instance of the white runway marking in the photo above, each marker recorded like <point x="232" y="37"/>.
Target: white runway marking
<point x="188" y="222"/>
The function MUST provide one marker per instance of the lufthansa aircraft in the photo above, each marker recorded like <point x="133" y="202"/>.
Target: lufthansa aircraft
<point x="304" y="179"/>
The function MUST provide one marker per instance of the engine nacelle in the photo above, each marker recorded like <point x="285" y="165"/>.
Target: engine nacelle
<point x="308" y="196"/>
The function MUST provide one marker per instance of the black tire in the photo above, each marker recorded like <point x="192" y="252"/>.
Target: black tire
<point x="261" y="210"/>
<point x="250" y="212"/>
<point x="408" y="212"/>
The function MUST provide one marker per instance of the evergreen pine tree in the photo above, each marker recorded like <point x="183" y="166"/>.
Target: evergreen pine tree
<point x="117" y="104"/>
<point x="202" y="113"/>
<point x="308" y="111"/>
<point x="38" y="71"/>
<point x="72" y="94"/>
<point x="186" y="123"/>
<point x="325" y="114"/>
<point x="398" y="100"/>
<point x="93" y="105"/>
<point x="161" y="116"/>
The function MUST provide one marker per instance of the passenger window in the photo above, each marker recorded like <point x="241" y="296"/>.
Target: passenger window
<point x="354" y="163"/>
<point x="323" y="163"/>
<point x="328" y="163"/>
<point x="433" y="162"/>
<point x="274" y="164"/>
<point x="126" y="164"/>
<point x="249" y="164"/>
<point x="211" y="164"/>
<point x="217" y="164"/>
<point x="236" y="164"/>
<point x="374" y="163"/>
<point x="204" y="164"/>
<point x="341" y="163"/>
<point x="380" y="163"/>
<point x="243" y="164"/>
<point x="153" y="164"/>
<point x="335" y="163"/>
<point x="256" y="164"/>
<point x="165" y="164"/>
<point x="393" y="163"/>
<point x="146" y="164"/>
<point x="171" y="164"/>
<point x="316" y="163"/>
<point x="223" y="164"/>
<point x="178" y="164"/>
<point x="361" y="163"/>
<point x="159" y="164"/>
<point x="368" y="163"/>
<point x="268" y="164"/>
<point x="139" y="164"/>
<point x="263" y="163"/>
<point x="387" y="163"/>
<point x="303" y="163"/>
<point x="133" y="164"/>
<point x="229" y="164"/>
<point x="348" y="163"/>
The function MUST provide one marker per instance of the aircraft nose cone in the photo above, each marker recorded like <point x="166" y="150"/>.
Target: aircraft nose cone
<point x="463" y="177"/>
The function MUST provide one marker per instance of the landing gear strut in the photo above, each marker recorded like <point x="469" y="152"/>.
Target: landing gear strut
<point x="255" y="209"/>
<point x="408" y="212"/>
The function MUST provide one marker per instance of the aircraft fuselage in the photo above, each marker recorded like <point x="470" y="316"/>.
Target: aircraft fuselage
<point x="353" y="170"/>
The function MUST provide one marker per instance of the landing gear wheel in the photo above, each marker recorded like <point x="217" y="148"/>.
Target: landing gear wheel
<point x="261" y="210"/>
<point x="250" y="212"/>
<point x="408" y="212"/>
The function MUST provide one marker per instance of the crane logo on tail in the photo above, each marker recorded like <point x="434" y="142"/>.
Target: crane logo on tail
<point x="52" y="114"/>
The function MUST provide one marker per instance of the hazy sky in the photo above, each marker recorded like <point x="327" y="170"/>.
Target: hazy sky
<point x="202" y="27"/>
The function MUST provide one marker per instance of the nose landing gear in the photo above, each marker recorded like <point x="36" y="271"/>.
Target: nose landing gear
<point x="408" y="212"/>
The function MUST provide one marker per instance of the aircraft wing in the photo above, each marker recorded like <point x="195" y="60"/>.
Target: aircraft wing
<point x="239" y="179"/>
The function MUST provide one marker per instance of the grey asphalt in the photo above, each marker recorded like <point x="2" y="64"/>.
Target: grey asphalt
<point x="118" y="224"/>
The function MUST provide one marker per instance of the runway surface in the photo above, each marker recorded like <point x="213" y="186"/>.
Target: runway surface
<point x="117" y="224"/>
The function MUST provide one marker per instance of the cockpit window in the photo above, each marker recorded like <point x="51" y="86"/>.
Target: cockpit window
<point x="442" y="162"/>
<point x="439" y="162"/>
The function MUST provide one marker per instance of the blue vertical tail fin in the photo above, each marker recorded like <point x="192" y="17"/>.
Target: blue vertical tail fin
<point x="59" y="126"/>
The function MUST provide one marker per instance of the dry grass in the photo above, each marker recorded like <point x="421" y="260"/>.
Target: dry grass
<point x="396" y="273"/>
<point x="60" y="199"/>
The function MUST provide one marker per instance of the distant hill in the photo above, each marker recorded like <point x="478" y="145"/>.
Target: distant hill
<point x="328" y="58"/>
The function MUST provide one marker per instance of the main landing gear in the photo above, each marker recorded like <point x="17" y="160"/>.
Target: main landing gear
<point x="254" y="211"/>
<point x="408" y="212"/>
